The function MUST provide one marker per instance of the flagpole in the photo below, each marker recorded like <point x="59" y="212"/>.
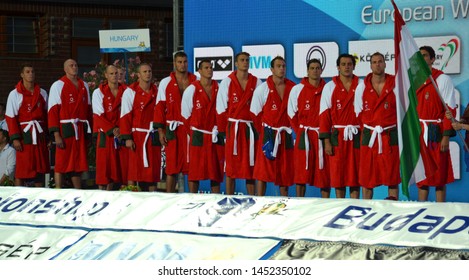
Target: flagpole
<point x="447" y="109"/>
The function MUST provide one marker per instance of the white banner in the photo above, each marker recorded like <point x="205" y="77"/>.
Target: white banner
<point x="327" y="53"/>
<point x="35" y="243"/>
<point x="447" y="53"/>
<point x="442" y="225"/>
<point x="124" y="40"/>
<point x="260" y="57"/>
<point x="139" y="245"/>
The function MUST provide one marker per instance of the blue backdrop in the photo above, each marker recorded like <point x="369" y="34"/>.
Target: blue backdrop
<point x="215" y="23"/>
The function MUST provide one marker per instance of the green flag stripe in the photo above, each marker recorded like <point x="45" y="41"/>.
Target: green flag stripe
<point x="418" y="73"/>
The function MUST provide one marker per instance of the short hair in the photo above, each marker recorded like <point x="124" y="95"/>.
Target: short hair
<point x="278" y="57"/>
<point x="430" y="51"/>
<point x="241" y="53"/>
<point x="377" y="54"/>
<point x="346" y="55"/>
<point x="5" y="134"/>
<point x="313" y="60"/>
<point x="25" y="65"/>
<point x="143" y="64"/>
<point x="179" y="54"/>
<point x="109" y="66"/>
<point x="205" y="60"/>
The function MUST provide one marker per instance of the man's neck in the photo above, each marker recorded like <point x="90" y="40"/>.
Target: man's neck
<point x="72" y="78"/>
<point x="181" y="75"/>
<point x="242" y="75"/>
<point x="2" y="146"/>
<point x="378" y="77"/>
<point x="144" y="85"/>
<point x="278" y="80"/>
<point x="346" y="79"/>
<point x="28" y="85"/>
<point x="205" y="81"/>
<point x="314" y="82"/>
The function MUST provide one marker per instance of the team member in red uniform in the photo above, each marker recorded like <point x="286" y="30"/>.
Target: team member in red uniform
<point x="199" y="113"/>
<point x="375" y="107"/>
<point x="275" y="152"/>
<point x="69" y="118"/>
<point x="136" y="128"/>
<point x="310" y="162"/>
<point x="106" y="103"/>
<point x="235" y="121"/>
<point x="338" y="126"/>
<point x="168" y="119"/>
<point x="436" y="128"/>
<point x="26" y="116"/>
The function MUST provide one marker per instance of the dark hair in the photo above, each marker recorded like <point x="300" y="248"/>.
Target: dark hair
<point x="430" y="51"/>
<point x="205" y="60"/>
<point x="3" y="106"/>
<point x="278" y="57"/>
<point x="24" y="65"/>
<point x="313" y="60"/>
<point x="377" y="54"/>
<point x="5" y="134"/>
<point x="346" y="55"/>
<point x="179" y="54"/>
<point x="241" y="53"/>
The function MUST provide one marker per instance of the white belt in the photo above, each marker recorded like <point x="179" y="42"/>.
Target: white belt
<point x="214" y="132"/>
<point x="320" y="148"/>
<point x="349" y="131"/>
<point x="173" y="124"/>
<point x="34" y="125"/>
<point x="75" y="126"/>
<point x="148" y="132"/>
<point x="278" y="137"/>
<point x="251" y="139"/>
<point x="425" y="128"/>
<point x="377" y="130"/>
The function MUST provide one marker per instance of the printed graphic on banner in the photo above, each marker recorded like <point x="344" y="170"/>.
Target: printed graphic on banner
<point x="260" y="58"/>
<point x="363" y="50"/>
<point x="134" y="245"/>
<point x="375" y="222"/>
<point x="220" y="57"/>
<point x="327" y="53"/>
<point x="124" y="40"/>
<point x="35" y="243"/>
<point x="447" y="53"/>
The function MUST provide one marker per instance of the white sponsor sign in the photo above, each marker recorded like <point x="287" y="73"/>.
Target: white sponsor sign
<point x="124" y="40"/>
<point x="363" y="51"/>
<point x="136" y="245"/>
<point x="447" y="53"/>
<point x="260" y="58"/>
<point x="327" y="53"/>
<point x="220" y="57"/>
<point x="442" y="225"/>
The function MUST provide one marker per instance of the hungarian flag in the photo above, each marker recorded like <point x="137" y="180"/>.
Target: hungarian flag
<point x="411" y="73"/>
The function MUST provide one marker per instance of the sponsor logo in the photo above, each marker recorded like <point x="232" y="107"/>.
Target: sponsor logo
<point x="365" y="218"/>
<point x="219" y="63"/>
<point x="318" y="53"/>
<point x="452" y="46"/>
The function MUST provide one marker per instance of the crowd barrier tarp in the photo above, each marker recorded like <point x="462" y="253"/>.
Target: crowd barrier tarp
<point x="144" y="245"/>
<point x="35" y="243"/>
<point x="440" y="225"/>
<point x="326" y="250"/>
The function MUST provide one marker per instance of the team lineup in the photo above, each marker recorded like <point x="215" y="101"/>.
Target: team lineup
<point x="332" y="135"/>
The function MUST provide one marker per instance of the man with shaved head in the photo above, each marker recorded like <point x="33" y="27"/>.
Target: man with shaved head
<point x="69" y="118"/>
<point x="106" y="102"/>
